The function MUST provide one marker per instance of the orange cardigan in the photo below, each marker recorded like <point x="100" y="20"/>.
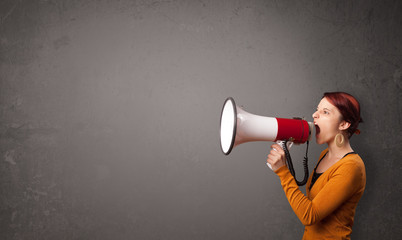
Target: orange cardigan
<point x="329" y="208"/>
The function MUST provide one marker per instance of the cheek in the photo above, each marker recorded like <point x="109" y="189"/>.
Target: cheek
<point x="330" y="126"/>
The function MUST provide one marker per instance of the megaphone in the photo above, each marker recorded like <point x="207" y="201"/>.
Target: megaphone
<point x="238" y="126"/>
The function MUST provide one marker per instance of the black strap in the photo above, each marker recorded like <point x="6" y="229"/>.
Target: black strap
<point x="317" y="175"/>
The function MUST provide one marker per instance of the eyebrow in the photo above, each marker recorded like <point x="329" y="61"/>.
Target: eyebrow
<point x="325" y="109"/>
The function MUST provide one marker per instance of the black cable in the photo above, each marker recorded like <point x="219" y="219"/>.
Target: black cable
<point x="290" y="164"/>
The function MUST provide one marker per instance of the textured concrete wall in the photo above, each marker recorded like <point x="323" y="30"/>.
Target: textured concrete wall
<point x="109" y="113"/>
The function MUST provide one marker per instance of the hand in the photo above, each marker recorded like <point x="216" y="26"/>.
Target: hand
<point x="276" y="157"/>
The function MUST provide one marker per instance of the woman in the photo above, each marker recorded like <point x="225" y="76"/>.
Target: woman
<point x="339" y="178"/>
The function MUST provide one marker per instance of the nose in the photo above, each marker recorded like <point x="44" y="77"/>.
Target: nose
<point x="315" y="114"/>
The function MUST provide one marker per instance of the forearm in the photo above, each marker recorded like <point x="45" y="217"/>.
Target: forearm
<point x="301" y="205"/>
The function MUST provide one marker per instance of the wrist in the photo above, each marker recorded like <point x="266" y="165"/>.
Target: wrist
<point x="281" y="169"/>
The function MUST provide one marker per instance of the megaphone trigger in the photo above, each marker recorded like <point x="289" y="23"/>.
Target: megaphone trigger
<point x="289" y="144"/>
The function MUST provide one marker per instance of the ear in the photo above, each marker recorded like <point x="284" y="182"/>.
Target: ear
<point x="344" y="125"/>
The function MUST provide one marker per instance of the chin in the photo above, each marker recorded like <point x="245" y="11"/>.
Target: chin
<point x="319" y="141"/>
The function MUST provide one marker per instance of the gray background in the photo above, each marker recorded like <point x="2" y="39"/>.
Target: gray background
<point x="109" y="113"/>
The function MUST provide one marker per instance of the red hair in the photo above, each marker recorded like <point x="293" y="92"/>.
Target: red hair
<point x="349" y="108"/>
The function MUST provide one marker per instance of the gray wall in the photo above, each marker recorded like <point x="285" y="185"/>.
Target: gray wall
<point x="109" y="113"/>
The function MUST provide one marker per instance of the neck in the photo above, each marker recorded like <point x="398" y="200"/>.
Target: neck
<point x="338" y="152"/>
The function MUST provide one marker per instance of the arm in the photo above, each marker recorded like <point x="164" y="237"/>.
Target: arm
<point x="342" y="185"/>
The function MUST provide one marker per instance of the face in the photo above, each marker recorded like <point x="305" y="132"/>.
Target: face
<point x="328" y="122"/>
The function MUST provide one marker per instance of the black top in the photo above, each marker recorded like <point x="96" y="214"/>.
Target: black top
<point x="317" y="175"/>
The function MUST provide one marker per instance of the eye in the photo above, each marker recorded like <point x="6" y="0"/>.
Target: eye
<point x="326" y="112"/>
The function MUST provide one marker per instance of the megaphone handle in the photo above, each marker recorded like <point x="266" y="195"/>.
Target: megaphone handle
<point x="282" y="143"/>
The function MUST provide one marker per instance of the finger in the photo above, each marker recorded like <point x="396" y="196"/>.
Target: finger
<point x="279" y="149"/>
<point x="272" y="159"/>
<point x="275" y="153"/>
<point x="277" y="146"/>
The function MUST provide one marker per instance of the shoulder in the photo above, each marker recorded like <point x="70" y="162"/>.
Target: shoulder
<point x="353" y="161"/>
<point x="352" y="166"/>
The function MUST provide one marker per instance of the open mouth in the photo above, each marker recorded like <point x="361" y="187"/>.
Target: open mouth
<point x="317" y="129"/>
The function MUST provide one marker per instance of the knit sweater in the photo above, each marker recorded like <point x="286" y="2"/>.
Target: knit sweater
<point x="328" y="209"/>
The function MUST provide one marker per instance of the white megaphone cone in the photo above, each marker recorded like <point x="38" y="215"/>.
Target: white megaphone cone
<point x="238" y="126"/>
